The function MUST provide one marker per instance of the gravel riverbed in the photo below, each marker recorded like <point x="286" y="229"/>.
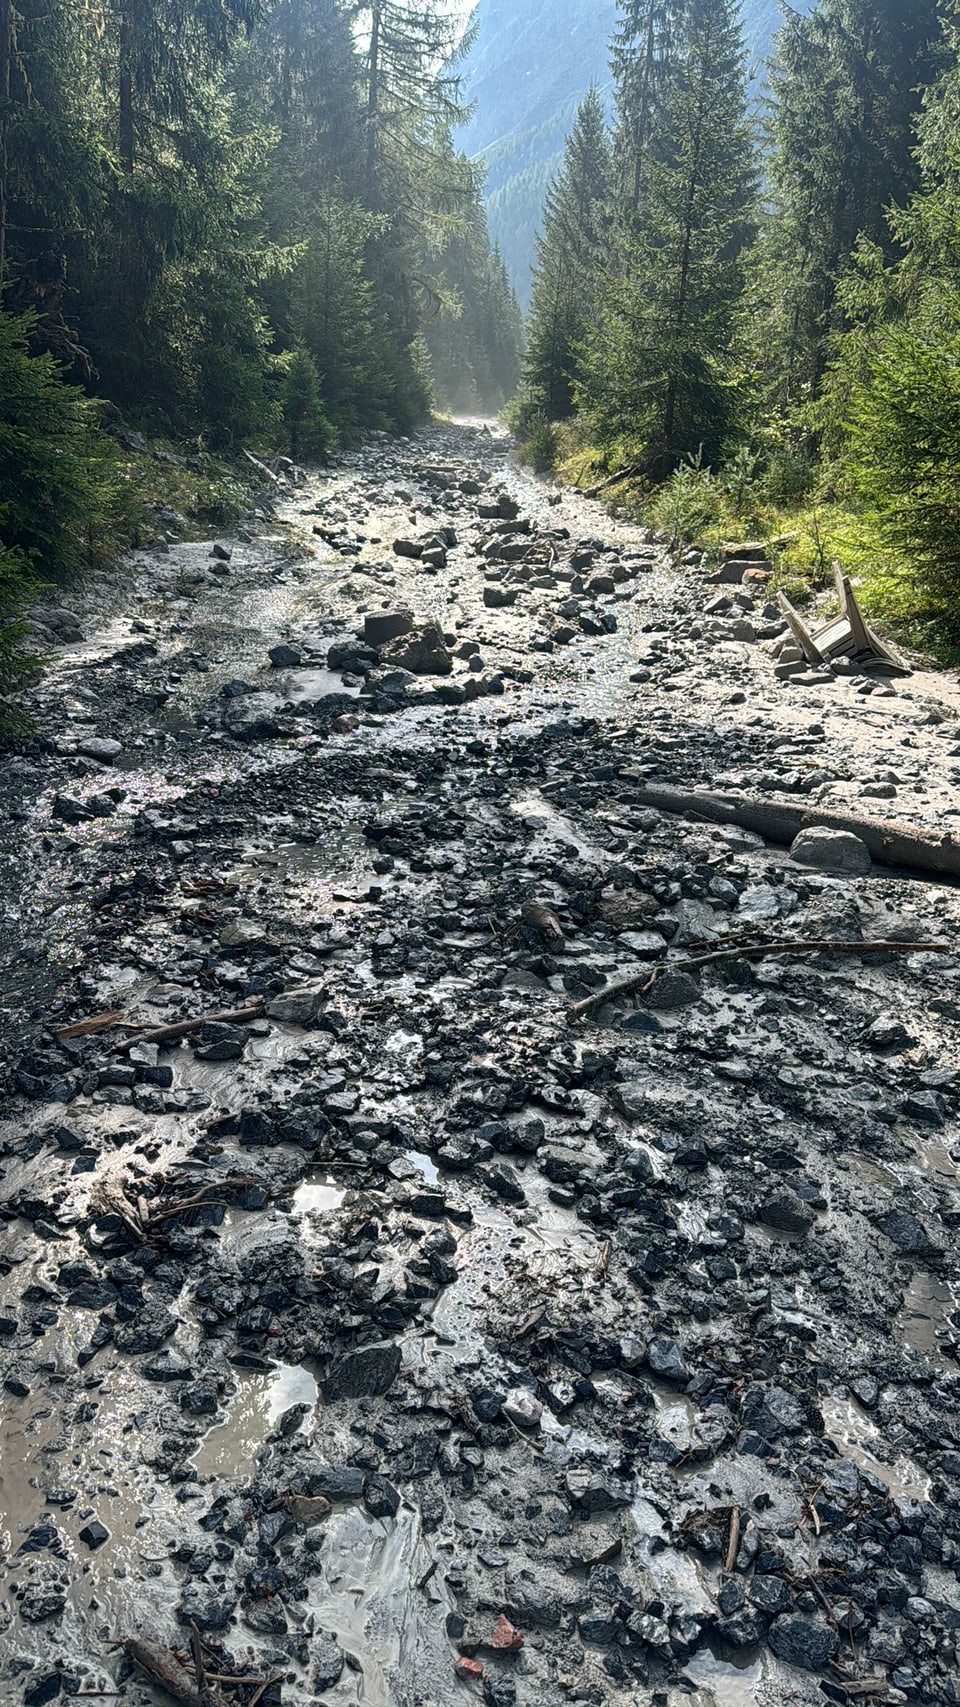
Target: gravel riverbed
<point x="413" y="1339"/>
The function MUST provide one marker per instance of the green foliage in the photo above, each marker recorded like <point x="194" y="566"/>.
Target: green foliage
<point x="540" y="446"/>
<point x="903" y="453"/>
<point x="571" y="254"/>
<point x="58" y="473"/>
<point x="18" y="665"/>
<point x="659" y="361"/>
<point x="311" y="435"/>
<point x="687" y="503"/>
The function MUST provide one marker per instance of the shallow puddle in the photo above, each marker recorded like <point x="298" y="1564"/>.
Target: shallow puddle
<point x="858" y="1438"/>
<point x="926" y="1306"/>
<point x="731" y="1685"/>
<point x="373" y="1601"/>
<point x="317" y="1197"/>
<point x="230" y="1447"/>
<point x="424" y="1165"/>
<point x="676" y="1577"/>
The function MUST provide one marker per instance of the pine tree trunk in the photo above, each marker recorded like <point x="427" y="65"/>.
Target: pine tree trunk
<point x="126" y="132"/>
<point x="686" y="255"/>
<point x="6" y="61"/>
<point x="373" y="101"/>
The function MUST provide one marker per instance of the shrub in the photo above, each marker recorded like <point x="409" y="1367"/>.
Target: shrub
<point x="17" y="664"/>
<point x="687" y="503"/>
<point x="903" y="455"/>
<point x="541" y="447"/>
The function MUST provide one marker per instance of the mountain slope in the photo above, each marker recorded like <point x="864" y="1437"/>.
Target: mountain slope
<point x="531" y="64"/>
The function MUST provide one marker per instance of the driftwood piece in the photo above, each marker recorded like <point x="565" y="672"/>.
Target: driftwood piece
<point x="165" y="1671"/>
<point x="183" y="1027"/>
<point x="780" y="820"/>
<point x="643" y="981"/>
<point x="92" y="1026"/>
<point x="262" y="468"/>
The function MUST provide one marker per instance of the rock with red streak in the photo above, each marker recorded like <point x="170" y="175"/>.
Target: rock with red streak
<point x="470" y="1670"/>
<point x="505" y="1638"/>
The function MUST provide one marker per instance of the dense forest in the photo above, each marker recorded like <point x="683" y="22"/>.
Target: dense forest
<point x="242" y="222"/>
<point x="526" y="71"/>
<point x="758" y="312"/>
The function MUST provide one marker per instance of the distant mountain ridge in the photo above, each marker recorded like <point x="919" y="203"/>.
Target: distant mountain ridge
<point x="531" y="65"/>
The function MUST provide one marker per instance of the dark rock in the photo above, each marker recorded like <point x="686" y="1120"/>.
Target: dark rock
<point x="380" y="1497"/>
<point x="786" y="1211"/>
<point x="204" y="1607"/>
<point x="285" y="657"/>
<point x="200" y="1399"/>
<point x="327" y="1662"/>
<point x="341" y="1483"/>
<point x="370" y="1369"/>
<point x="908" y="1233"/>
<point x="94" y="1534"/>
<point x="42" y="1686"/>
<point x="666" y="1360"/>
<point x="673" y="990"/>
<point x="379" y="627"/>
<point x="803" y="1642"/>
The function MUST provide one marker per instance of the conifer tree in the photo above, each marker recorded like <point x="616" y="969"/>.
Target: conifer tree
<point x="572" y="250"/>
<point x="657" y="364"/>
<point x="641" y="60"/>
<point x="846" y="85"/>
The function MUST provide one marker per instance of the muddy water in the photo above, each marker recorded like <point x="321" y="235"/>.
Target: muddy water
<point x="859" y="1440"/>
<point x="729" y="1684"/>
<point x="230" y="1448"/>
<point x="368" y="1600"/>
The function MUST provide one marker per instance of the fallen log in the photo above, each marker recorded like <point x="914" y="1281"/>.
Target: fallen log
<point x="643" y="981"/>
<point x="183" y="1027"/>
<point x="781" y="820"/>
<point x="632" y="472"/>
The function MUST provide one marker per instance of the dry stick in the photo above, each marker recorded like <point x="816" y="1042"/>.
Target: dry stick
<point x="733" y="1540"/>
<point x="198" y="1665"/>
<point x="183" y="1027"/>
<point x="631" y="473"/>
<point x="90" y="1027"/>
<point x="641" y="982"/>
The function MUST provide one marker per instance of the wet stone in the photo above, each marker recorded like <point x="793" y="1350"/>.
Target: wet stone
<point x="342" y="1483"/>
<point x="803" y="1642"/>
<point x="370" y="1370"/>
<point x="94" y="1534"/>
<point x="205" y="1607"/>
<point x="832" y="850"/>
<point x="326" y="1664"/>
<point x="380" y="1497"/>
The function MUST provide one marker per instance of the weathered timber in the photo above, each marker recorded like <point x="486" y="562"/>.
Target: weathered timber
<point x="183" y="1027"/>
<point x="780" y="820"/>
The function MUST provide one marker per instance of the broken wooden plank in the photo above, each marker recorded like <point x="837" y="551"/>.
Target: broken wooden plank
<point x="780" y="820"/>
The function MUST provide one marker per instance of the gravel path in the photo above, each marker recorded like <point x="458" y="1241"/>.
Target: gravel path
<point x="416" y="1343"/>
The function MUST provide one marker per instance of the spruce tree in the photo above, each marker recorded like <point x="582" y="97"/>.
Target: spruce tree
<point x="572" y="250"/>
<point x="641" y="59"/>
<point x="846" y="90"/>
<point x="657" y="368"/>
